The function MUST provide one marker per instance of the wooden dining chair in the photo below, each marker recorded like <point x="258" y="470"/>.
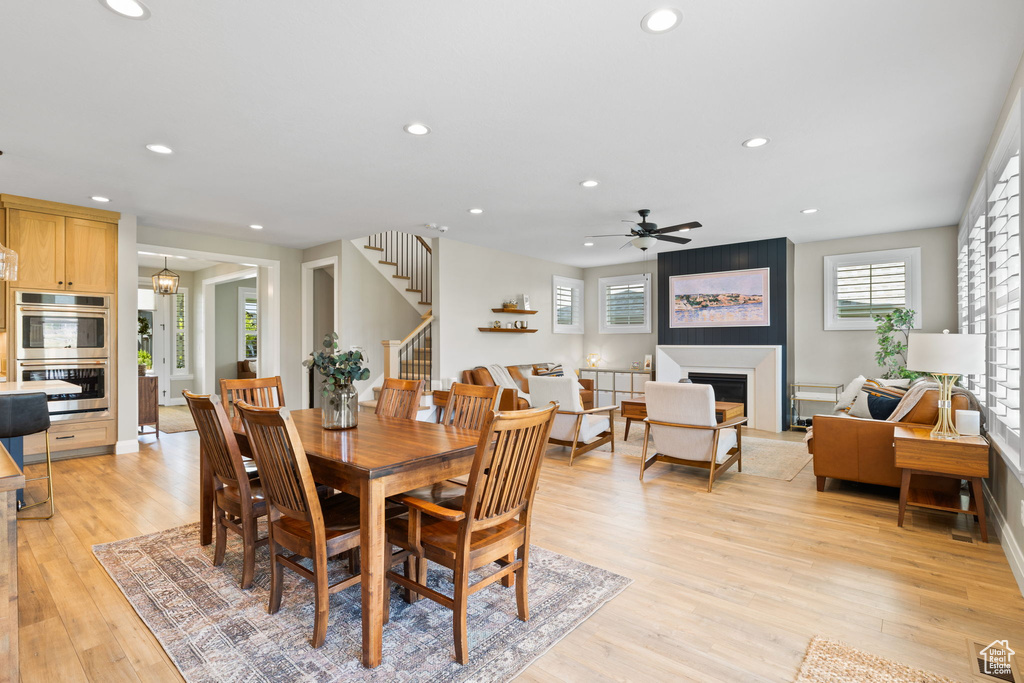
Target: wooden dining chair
<point x="265" y="392"/>
<point x="300" y="524"/>
<point x="400" y="398"/>
<point x="493" y="521"/>
<point x="469" y="404"/>
<point x="238" y="498"/>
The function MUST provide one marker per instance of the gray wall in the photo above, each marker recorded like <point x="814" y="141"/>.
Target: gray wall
<point x="228" y="323"/>
<point x="617" y="350"/>
<point x="832" y="356"/>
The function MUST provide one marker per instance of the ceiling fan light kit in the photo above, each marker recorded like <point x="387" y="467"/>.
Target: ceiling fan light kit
<point x="645" y="235"/>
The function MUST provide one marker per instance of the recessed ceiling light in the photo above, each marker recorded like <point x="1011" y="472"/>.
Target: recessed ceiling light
<point x="809" y="211"/>
<point x="133" y="9"/>
<point x="588" y="244"/>
<point x="417" y="129"/>
<point x="256" y="227"/>
<point x="477" y="211"/>
<point x="100" y="199"/>
<point x="589" y="183"/>
<point x="756" y="142"/>
<point x="160" y="149"/>
<point x="661" y="20"/>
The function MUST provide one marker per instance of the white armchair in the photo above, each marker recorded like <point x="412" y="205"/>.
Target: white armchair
<point x="681" y="418"/>
<point x="578" y="429"/>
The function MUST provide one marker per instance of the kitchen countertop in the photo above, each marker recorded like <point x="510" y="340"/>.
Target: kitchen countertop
<point x="47" y="386"/>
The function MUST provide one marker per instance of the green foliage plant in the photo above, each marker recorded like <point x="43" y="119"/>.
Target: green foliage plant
<point x="893" y="333"/>
<point x="145" y="358"/>
<point x="338" y="368"/>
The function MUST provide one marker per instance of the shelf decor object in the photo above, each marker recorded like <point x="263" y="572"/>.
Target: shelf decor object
<point x="166" y="281"/>
<point x="946" y="356"/>
<point x="8" y="263"/>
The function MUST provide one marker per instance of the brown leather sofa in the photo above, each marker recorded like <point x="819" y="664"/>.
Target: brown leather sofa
<point x="510" y="399"/>
<point x="858" y="449"/>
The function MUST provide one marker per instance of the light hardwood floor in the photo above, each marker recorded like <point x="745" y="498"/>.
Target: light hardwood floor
<point x="728" y="586"/>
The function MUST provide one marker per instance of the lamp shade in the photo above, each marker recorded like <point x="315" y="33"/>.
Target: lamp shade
<point x="644" y="242"/>
<point x="945" y="353"/>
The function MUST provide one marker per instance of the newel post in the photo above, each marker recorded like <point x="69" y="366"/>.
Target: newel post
<point x="391" y="363"/>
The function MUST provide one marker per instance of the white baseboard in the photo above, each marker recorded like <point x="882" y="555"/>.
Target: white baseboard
<point x="1009" y="542"/>
<point x="126" y="446"/>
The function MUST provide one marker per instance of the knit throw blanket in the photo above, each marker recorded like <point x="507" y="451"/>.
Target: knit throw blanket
<point x="504" y="380"/>
<point x="917" y="391"/>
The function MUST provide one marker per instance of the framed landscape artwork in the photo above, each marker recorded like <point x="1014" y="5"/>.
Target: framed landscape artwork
<point x="731" y="298"/>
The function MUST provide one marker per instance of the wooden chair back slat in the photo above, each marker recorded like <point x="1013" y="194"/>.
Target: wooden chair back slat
<point x="281" y="460"/>
<point x="468" y="405"/>
<point x="400" y="398"/>
<point x="265" y="392"/>
<point x="217" y="439"/>
<point x="505" y="470"/>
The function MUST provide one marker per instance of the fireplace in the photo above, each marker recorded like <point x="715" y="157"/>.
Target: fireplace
<point x="728" y="387"/>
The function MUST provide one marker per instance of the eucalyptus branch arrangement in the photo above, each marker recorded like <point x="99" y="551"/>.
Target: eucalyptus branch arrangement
<point x="893" y="333"/>
<point x="338" y="368"/>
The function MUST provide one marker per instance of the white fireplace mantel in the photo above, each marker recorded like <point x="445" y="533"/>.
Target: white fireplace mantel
<point x="761" y="364"/>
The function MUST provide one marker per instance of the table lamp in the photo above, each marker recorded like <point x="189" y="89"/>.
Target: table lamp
<point x="945" y="357"/>
<point x="593" y="359"/>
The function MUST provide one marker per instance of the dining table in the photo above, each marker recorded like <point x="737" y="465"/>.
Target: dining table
<point x="381" y="457"/>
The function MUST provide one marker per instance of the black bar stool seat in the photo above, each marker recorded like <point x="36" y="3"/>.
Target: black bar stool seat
<point x="21" y="415"/>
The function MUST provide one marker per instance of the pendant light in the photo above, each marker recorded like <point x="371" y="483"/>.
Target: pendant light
<point x="166" y="281"/>
<point x="8" y="263"/>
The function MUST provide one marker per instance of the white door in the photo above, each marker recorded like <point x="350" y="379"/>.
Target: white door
<point x="162" y="346"/>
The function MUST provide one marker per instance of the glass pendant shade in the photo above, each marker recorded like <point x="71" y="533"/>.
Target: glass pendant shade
<point x="166" y="281"/>
<point x="8" y="263"/>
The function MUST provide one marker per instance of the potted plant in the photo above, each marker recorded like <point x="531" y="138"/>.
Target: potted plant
<point x="339" y="370"/>
<point x="893" y="333"/>
<point x="145" y="362"/>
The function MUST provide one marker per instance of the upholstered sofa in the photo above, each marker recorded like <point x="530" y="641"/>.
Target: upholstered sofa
<point x="510" y="400"/>
<point x="861" y="449"/>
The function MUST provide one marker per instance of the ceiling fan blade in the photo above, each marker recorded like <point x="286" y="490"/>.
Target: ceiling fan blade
<point x="590" y="236"/>
<point x="626" y="244"/>
<point x="677" y="228"/>
<point x="670" y="238"/>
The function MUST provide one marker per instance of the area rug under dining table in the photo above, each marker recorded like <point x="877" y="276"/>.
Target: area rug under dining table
<point x="214" y="631"/>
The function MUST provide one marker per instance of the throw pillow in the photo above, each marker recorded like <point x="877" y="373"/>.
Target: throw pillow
<point x="850" y="394"/>
<point x="881" y="407"/>
<point x="552" y="371"/>
<point x="874" y="387"/>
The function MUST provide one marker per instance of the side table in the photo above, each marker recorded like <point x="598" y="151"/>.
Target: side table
<point x="962" y="458"/>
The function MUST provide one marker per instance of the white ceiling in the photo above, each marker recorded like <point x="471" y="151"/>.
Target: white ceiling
<point x="177" y="263"/>
<point x="290" y="115"/>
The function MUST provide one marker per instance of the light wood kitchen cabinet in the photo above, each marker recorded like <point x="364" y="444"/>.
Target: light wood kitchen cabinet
<point x="58" y="252"/>
<point x="38" y="239"/>
<point x="90" y="256"/>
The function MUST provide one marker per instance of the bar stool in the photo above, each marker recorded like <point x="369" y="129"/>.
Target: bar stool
<point x="21" y="415"/>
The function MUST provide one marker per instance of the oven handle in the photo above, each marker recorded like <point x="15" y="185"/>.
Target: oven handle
<point x="58" y="364"/>
<point x="55" y="309"/>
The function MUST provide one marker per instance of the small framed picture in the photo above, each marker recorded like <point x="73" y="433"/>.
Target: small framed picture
<point x="647" y="362"/>
<point x="635" y="365"/>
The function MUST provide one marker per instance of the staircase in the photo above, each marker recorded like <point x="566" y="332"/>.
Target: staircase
<point x="410" y="257"/>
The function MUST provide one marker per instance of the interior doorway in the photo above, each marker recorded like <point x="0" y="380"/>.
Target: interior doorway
<point x="320" y="305"/>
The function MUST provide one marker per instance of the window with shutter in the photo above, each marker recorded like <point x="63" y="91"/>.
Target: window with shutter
<point x="567" y="304"/>
<point x="625" y="304"/>
<point x="180" y="332"/>
<point x="248" y="318"/>
<point x="861" y="286"/>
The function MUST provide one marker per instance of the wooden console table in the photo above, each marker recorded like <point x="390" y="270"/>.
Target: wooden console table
<point x="964" y="458"/>
<point x="636" y="409"/>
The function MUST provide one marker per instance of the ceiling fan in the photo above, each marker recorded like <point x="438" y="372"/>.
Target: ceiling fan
<point x="645" y="235"/>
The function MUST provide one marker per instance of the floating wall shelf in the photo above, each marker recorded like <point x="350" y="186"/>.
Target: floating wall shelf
<point x="509" y="330"/>
<point x="513" y="310"/>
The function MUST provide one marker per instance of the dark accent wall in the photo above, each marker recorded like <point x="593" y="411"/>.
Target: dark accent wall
<point x="776" y="254"/>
